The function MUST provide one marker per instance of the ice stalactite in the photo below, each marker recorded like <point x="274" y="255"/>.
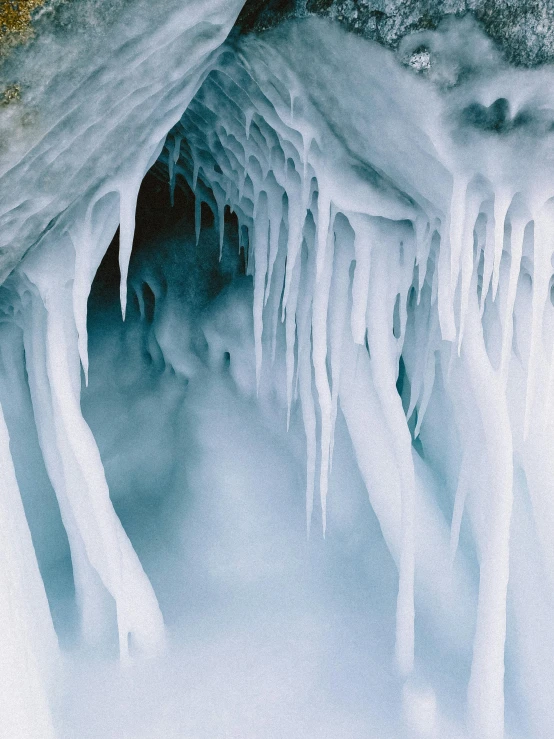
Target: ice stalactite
<point x="311" y="213"/>
<point x="388" y="274"/>
<point x="98" y="227"/>
<point x="104" y="562"/>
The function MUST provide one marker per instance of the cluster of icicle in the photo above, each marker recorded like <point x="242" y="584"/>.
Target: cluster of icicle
<point x="100" y="112"/>
<point x="365" y="270"/>
<point x="366" y="278"/>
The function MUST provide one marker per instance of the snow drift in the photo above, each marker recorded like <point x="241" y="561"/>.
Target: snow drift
<point x="353" y="277"/>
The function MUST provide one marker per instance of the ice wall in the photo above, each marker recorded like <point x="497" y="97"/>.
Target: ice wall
<point x="397" y="231"/>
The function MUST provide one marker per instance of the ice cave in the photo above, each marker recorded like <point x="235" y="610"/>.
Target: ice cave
<point x="276" y="379"/>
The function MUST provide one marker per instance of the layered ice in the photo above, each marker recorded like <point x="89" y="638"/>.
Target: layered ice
<point x="361" y="276"/>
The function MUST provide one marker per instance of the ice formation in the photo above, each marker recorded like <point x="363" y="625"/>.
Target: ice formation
<point x="395" y="315"/>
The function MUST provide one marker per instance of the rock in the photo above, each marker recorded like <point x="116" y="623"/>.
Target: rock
<point x="522" y="29"/>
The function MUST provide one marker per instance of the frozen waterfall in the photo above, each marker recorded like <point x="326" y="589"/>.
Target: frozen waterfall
<point x="277" y="386"/>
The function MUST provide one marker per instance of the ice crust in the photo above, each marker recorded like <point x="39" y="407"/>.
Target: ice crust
<point x="398" y="234"/>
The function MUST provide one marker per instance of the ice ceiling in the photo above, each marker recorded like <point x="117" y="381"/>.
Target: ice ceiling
<point x="277" y="367"/>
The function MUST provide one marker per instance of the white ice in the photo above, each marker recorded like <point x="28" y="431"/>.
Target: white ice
<point x="350" y="332"/>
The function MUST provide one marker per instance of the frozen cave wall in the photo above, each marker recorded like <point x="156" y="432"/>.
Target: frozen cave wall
<point x="344" y="327"/>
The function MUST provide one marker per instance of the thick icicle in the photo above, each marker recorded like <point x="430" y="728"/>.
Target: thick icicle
<point x="518" y="224"/>
<point x="324" y="271"/>
<point x="338" y="308"/>
<point x="502" y="200"/>
<point x="91" y="243"/>
<point x="486" y="686"/>
<point x="275" y="205"/>
<point x="260" y="239"/>
<point x="127" y="207"/>
<point x="305" y="317"/>
<point x="542" y="269"/>
<point x="106" y="544"/>
<point x="99" y="545"/>
<point x="473" y="205"/>
<point x="363" y="238"/>
<point x="28" y="648"/>
<point x="383" y="360"/>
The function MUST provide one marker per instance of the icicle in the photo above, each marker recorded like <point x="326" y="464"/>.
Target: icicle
<point x="305" y="318"/>
<point x="516" y="249"/>
<point x="488" y="264"/>
<point x="406" y="274"/>
<point x="290" y="333"/>
<point x="319" y="353"/>
<point x="89" y="591"/>
<point x="486" y="685"/>
<point x="296" y="217"/>
<point x="323" y="221"/>
<point x="502" y="200"/>
<point x="171" y="170"/>
<point x="81" y="291"/>
<point x="174" y="152"/>
<point x="220" y="202"/>
<point x="473" y="207"/>
<point x="309" y="421"/>
<point x="445" y="288"/>
<point x="459" y="503"/>
<point x="197" y="217"/>
<point x="363" y="238"/>
<point x="275" y="205"/>
<point x="383" y="360"/>
<point x="364" y="416"/>
<point x="195" y="169"/>
<point x="423" y="234"/>
<point x="542" y="270"/>
<point x="127" y="207"/>
<point x="107" y="546"/>
<point x="306" y="142"/>
<point x="177" y="147"/>
<point x="260" y="240"/>
<point x="102" y="555"/>
<point x="276" y="289"/>
<point x="91" y="243"/>
<point x="427" y="387"/>
<point x="457" y="223"/>
<point x="338" y="307"/>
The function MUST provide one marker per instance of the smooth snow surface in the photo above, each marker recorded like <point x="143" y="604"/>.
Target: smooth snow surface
<point x="304" y="488"/>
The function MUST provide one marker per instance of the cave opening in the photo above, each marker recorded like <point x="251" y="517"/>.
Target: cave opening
<point x="209" y="485"/>
<point x="274" y="376"/>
